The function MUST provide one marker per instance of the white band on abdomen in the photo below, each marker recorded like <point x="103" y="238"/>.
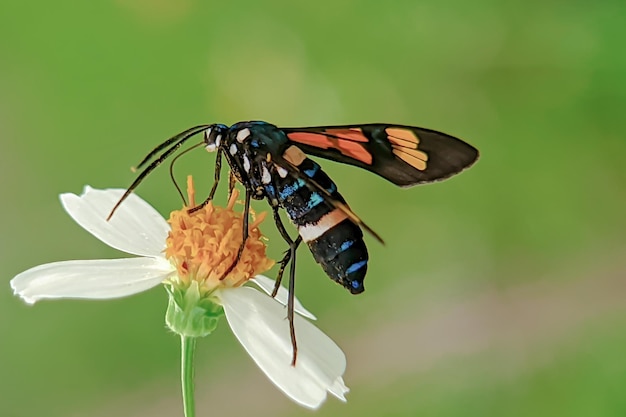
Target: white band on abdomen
<point x="312" y="231"/>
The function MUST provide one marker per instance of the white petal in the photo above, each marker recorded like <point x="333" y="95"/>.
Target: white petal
<point x="339" y="389"/>
<point x="136" y="227"/>
<point x="96" y="279"/>
<point x="267" y="285"/>
<point x="258" y="321"/>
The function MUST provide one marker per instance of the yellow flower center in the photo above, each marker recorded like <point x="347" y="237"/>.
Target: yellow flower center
<point x="204" y="244"/>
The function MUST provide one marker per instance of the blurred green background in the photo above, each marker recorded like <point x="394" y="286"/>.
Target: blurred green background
<point x="499" y="292"/>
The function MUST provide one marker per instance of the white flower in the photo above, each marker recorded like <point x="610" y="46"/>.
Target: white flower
<point x="257" y="320"/>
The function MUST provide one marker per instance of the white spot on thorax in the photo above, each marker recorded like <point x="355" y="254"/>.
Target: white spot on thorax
<point x="233" y="149"/>
<point x="218" y="140"/>
<point x="266" y="178"/>
<point x="246" y="163"/>
<point x="243" y="134"/>
<point x="281" y="171"/>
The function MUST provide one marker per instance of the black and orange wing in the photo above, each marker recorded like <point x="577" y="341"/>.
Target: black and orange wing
<point x="404" y="155"/>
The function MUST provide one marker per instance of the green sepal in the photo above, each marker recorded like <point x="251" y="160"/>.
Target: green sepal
<point x="189" y="313"/>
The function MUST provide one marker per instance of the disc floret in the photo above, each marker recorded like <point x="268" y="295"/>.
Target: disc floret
<point x="202" y="245"/>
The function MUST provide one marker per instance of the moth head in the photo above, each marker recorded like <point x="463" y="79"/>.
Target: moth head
<point x="213" y="136"/>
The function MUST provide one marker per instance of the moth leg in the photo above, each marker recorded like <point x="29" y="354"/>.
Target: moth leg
<point x="246" y="215"/>
<point x="290" y="255"/>
<point x="283" y="264"/>
<point x="218" y="169"/>
<point x="231" y="183"/>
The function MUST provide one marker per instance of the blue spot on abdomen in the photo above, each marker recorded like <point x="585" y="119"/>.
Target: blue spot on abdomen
<point x="345" y="245"/>
<point x="312" y="171"/>
<point x="290" y="189"/>
<point x="355" y="267"/>
<point x="315" y="200"/>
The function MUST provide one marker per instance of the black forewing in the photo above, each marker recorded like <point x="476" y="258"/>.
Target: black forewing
<point x="445" y="154"/>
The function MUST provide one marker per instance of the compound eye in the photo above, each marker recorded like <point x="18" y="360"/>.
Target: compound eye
<point x="207" y="134"/>
<point x="211" y="146"/>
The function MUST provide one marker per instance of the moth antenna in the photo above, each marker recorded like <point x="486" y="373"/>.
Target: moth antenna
<point x="181" y="138"/>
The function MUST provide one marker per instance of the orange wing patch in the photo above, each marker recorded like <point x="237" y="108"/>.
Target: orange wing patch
<point x="402" y="134"/>
<point x="345" y="141"/>
<point x="354" y="133"/>
<point x="404" y="144"/>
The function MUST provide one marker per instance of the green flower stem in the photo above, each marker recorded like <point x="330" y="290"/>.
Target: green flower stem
<point x="188" y="349"/>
